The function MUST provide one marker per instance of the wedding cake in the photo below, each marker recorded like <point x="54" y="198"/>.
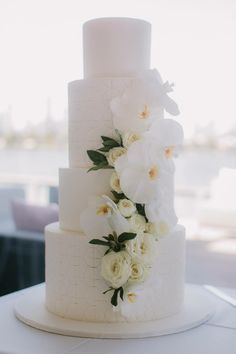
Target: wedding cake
<point x="117" y="253"/>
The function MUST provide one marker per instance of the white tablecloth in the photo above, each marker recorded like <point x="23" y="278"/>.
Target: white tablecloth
<point x="218" y="336"/>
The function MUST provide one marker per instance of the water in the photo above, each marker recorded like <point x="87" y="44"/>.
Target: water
<point x="195" y="168"/>
<point x="35" y="162"/>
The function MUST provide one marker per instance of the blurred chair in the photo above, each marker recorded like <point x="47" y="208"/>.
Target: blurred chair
<point x="53" y="195"/>
<point x="7" y="194"/>
<point x="21" y="252"/>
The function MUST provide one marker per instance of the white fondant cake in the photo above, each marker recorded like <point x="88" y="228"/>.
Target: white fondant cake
<point x="75" y="287"/>
<point x="90" y="115"/>
<point x="126" y="200"/>
<point x="116" y="47"/>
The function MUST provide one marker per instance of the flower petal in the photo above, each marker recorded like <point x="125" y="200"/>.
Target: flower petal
<point x="166" y="132"/>
<point x="118" y="223"/>
<point x="170" y="105"/>
<point x="137" y="186"/>
<point x="156" y="212"/>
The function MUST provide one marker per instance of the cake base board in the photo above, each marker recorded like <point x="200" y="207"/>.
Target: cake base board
<point x="197" y="309"/>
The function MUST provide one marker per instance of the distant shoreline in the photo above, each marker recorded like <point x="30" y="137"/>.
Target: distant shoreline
<point x="194" y="167"/>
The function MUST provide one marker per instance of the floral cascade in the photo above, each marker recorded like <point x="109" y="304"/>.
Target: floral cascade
<point x="139" y="211"/>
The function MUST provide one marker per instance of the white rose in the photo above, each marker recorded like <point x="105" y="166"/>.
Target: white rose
<point x="151" y="228"/>
<point x="114" y="154"/>
<point x="137" y="223"/>
<point x="129" y="138"/>
<point x="126" y="207"/>
<point x="142" y="247"/>
<point x="115" y="182"/>
<point x="162" y="229"/>
<point x="131" y="297"/>
<point x="158" y="229"/>
<point x="139" y="272"/>
<point x="116" y="268"/>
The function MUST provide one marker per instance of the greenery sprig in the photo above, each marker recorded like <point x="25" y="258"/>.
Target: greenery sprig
<point x="116" y="293"/>
<point x="113" y="242"/>
<point x="99" y="160"/>
<point x="141" y="210"/>
<point x="118" y="196"/>
<point x="116" y="244"/>
<point x="140" y="207"/>
<point x="98" y="157"/>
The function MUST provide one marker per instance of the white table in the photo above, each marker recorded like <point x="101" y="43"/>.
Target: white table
<point x="218" y="336"/>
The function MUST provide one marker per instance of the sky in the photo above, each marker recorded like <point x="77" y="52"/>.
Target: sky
<point x="193" y="45"/>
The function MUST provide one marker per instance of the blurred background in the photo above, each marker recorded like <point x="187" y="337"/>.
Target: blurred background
<point x="193" y="45"/>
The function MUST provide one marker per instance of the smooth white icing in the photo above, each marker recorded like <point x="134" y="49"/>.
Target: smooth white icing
<point x="76" y="186"/>
<point x="116" y="47"/>
<point x="74" y="286"/>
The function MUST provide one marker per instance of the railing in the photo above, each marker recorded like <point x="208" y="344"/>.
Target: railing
<point x="36" y="187"/>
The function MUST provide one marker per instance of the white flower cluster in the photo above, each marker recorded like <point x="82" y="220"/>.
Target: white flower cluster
<point x="103" y="217"/>
<point x="130" y="266"/>
<point x="145" y="171"/>
<point x="142" y="180"/>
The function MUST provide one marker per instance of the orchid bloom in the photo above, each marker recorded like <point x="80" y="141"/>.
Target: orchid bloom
<point x="161" y="90"/>
<point x="142" y="172"/>
<point x="142" y="103"/>
<point x="102" y="217"/>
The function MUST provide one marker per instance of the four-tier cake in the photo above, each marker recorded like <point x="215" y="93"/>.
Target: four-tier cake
<point x="117" y="253"/>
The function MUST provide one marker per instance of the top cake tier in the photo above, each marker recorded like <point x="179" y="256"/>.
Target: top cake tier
<point x="116" y="47"/>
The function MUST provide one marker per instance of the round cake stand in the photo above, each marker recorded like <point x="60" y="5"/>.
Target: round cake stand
<point x="197" y="309"/>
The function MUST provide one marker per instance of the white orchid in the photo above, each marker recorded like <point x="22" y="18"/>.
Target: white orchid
<point x="142" y="172"/>
<point x="168" y="135"/>
<point x="161" y="89"/>
<point x="135" y="110"/>
<point x="142" y="103"/>
<point x="102" y="217"/>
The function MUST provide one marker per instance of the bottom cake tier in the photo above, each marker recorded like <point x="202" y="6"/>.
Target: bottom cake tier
<point x="74" y="286"/>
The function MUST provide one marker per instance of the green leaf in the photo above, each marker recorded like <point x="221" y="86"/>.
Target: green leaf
<point x="125" y="236"/>
<point x="96" y="241"/>
<point x="110" y="237"/>
<point x="122" y="293"/>
<point x="107" y="251"/>
<point x="97" y="157"/>
<point x="101" y="166"/>
<point x="114" y="298"/>
<point x="141" y="210"/>
<point x="118" y="196"/>
<point x="109" y="142"/>
<point x="105" y="138"/>
<point x="104" y="149"/>
<point x="109" y="289"/>
<point x="120" y="137"/>
<point x="118" y="247"/>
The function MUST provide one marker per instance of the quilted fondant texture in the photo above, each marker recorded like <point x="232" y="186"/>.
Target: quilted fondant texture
<point x="74" y="286"/>
<point x="90" y="115"/>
